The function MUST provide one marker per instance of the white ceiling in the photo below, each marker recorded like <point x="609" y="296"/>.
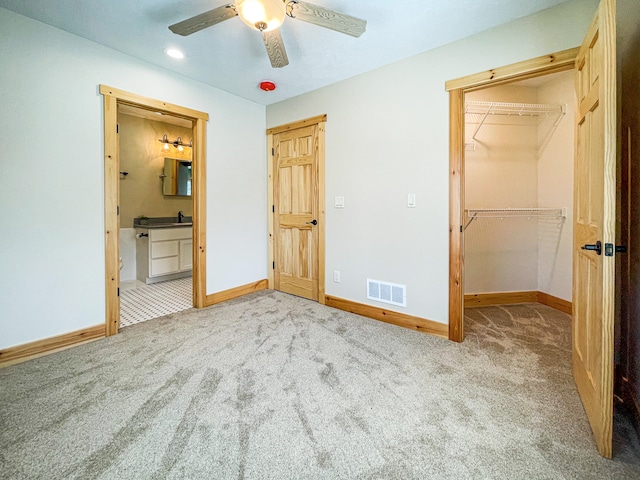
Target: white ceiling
<point x="232" y="57"/>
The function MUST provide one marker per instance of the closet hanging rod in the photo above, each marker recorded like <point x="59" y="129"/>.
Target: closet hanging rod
<point x="517" y="212"/>
<point x="520" y="109"/>
<point x="475" y="213"/>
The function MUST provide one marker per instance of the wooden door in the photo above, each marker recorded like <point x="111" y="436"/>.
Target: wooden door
<point x="595" y="204"/>
<point x="296" y="217"/>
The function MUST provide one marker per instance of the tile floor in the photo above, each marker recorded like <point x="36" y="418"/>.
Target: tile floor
<point x="145" y="302"/>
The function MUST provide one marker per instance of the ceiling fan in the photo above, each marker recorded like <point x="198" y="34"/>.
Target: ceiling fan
<point x="266" y="16"/>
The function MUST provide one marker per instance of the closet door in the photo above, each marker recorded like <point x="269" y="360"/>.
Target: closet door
<point x="296" y="212"/>
<point x="594" y="228"/>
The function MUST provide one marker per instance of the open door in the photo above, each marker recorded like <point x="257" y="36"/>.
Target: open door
<point x="594" y="229"/>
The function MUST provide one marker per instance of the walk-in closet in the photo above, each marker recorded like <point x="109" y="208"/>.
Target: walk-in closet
<point x="519" y="155"/>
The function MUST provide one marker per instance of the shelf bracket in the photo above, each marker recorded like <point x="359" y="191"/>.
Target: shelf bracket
<point x="471" y="220"/>
<point x="563" y="112"/>
<point x="482" y="122"/>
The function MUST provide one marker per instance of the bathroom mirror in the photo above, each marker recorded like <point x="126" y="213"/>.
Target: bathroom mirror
<point x="176" y="178"/>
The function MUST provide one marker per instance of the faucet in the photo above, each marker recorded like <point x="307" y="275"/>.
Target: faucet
<point x="180" y="216"/>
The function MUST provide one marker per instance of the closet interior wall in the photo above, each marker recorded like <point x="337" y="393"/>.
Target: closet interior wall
<point x="520" y="161"/>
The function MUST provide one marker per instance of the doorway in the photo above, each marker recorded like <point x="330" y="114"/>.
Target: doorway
<point x="156" y="210"/>
<point x="594" y="224"/>
<point x="297" y="213"/>
<point x="113" y="99"/>
<point x="558" y="62"/>
<point x="518" y="182"/>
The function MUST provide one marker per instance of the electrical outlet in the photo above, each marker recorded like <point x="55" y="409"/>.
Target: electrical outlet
<point x="411" y="200"/>
<point x="336" y="276"/>
<point x="339" y="202"/>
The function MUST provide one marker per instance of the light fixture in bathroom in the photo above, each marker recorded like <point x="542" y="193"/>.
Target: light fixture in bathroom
<point x="177" y="143"/>
<point x="165" y="142"/>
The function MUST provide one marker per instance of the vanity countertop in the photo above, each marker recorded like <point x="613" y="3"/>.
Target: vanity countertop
<point x="162" y="222"/>
<point x="166" y="225"/>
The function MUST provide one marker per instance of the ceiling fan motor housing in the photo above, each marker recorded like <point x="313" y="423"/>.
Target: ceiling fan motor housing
<point x="263" y="15"/>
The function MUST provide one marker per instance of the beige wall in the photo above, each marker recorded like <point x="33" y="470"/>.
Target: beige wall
<point x="387" y="135"/>
<point x="555" y="189"/>
<point x="60" y="183"/>
<point x="142" y="155"/>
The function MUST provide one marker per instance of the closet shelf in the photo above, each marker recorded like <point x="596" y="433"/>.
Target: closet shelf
<point x="474" y="213"/>
<point x="484" y="109"/>
<point x="520" y="109"/>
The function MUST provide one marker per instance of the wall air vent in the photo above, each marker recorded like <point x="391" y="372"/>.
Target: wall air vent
<point x="387" y="292"/>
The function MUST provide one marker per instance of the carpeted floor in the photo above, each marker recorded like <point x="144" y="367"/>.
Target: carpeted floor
<point x="271" y="386"/>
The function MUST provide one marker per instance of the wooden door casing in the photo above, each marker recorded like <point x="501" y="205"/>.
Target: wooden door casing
<point x="112" y="98"/>
<point x="457" y="88"/>
<point x="296" y="187"/>
<point x="594" y="221"/>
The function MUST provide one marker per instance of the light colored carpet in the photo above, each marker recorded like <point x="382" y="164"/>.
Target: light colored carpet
<point x="271" y="386"/>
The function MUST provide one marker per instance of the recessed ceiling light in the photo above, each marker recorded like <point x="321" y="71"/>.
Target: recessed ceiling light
<point x="174" y="53"/>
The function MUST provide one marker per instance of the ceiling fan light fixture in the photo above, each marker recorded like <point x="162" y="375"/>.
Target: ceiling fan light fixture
<point x="262" y="15"/>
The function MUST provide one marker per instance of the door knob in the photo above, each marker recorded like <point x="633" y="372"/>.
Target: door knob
<point x="312" y="222"/>
<point x="596" y="248"/>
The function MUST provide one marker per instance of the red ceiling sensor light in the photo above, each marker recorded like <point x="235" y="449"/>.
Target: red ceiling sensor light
<point x="267" y="86"/>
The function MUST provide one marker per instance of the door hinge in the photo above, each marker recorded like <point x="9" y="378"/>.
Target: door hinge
<point x="273" y="265"/>
<point x="117" y="128"/>
<point x="273" y="151"/>
<point x="610" y="249"/>
<point x="460" y="228"/>
<point x="273" y="208"/>
<point x="118" y="291"/>
<point x="118" y="210"/>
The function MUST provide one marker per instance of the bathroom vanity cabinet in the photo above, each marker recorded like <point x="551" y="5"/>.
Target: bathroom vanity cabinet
<point x="166" y="254"/>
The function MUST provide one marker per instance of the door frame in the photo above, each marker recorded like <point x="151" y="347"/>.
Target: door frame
<point x="320" y="121"/>
<point x="535" y="67"/>
<point x="112" y="98"/>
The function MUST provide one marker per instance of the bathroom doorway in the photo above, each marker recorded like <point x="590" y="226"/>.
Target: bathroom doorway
<point x="114" y="101"/>
<point x="156" y="214"/>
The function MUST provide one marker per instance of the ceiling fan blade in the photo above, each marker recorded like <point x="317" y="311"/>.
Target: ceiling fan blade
<point x="204" y="20"/>
<point x="275" y="48"/>
<point x="324" y="17"/>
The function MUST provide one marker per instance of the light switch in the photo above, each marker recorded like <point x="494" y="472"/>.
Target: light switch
<point x="339" y="202"/>
<point x="411" y="200"/>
